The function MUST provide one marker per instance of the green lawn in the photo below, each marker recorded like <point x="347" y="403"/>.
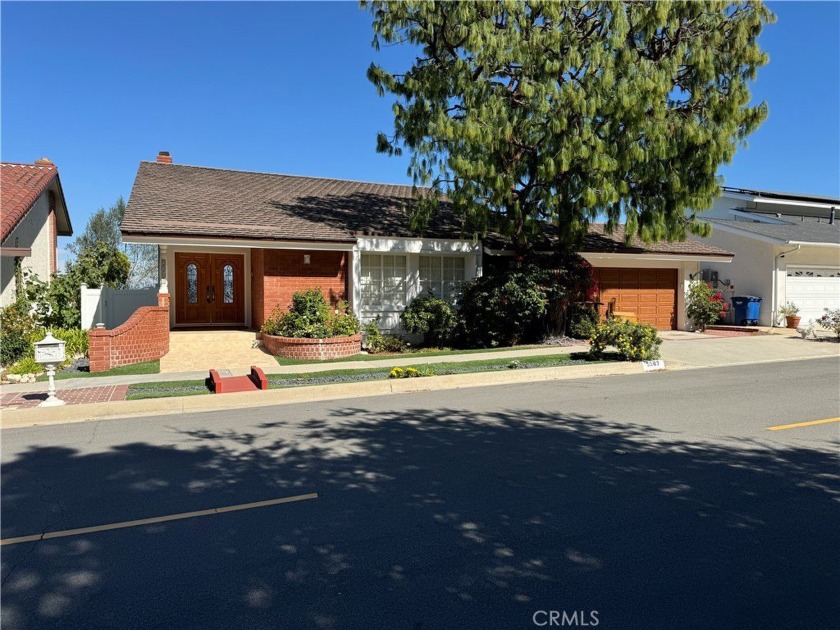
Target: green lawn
<point x="150" y="367"/>
<point x="432" y="352"/>
<point x="166" y="389"/>
<point x="196" y="388"/>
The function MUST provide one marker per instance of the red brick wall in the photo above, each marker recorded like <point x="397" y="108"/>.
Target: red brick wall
<point x="284" y="274"/>
<point x="144" y="337"/>
<point x="257" y="291"/>
<point x="293" y="348"/>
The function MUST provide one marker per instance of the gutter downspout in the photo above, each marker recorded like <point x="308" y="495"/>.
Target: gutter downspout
<point x="773" y="289"/>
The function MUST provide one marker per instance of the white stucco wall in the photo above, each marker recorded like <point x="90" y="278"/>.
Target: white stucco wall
<point x="756" y="263"/>
<point x="389" y="320"/>
<point x="33" y="232"/>
<point x="751" y="270"/>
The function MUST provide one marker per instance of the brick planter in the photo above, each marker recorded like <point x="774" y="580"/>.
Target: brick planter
<point x="323" y="349"/>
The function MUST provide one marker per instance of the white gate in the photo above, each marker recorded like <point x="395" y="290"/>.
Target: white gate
<point x="113" y="307"/>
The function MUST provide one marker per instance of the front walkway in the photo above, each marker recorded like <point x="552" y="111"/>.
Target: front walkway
<point x="202" y="350"/>
<point x="79" y="396"/>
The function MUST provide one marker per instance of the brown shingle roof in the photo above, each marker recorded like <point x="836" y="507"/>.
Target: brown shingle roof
<point x="598" y="241"/>
<point x="176" y="200"/>
<point x="20" y="187"/>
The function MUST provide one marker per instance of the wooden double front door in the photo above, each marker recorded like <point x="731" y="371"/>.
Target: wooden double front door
<point x="209" y="288"/>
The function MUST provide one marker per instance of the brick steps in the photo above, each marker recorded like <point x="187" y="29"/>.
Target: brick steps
<point x="253" y="382"/>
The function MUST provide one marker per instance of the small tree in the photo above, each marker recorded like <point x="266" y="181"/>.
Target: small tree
<point x="103" y="226"/>
<point x="58" y="304"/>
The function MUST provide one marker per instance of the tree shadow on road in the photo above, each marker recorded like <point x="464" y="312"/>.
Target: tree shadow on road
<point x="426" y="520"/>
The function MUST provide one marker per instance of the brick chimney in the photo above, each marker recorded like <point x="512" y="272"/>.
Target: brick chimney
<point x="164" y="158"/>
<point x="45" y="162"/>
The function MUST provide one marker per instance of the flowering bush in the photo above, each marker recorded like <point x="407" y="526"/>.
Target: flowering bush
<point x="831" y="321"/>
<point x="410" y="372"/>
<point x="704" y="305"/>
<point x="633" y="340"/>
<point x="311" y="317"/>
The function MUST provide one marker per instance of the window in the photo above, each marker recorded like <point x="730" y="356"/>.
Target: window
<point x="383" y="281"/>
<point x="228" y="283"/>
<point x="443" y="275"/>
<point x="192" y="284"/>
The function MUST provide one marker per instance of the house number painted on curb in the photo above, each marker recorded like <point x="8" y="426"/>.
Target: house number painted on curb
<point x="653" y="366"/>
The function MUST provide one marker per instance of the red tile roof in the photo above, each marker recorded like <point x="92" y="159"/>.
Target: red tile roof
<point x="20" y="187"/>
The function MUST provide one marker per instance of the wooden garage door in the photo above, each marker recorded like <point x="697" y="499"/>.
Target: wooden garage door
<point x="649" y="293"/>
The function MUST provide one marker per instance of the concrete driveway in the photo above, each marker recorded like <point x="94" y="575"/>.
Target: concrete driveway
<point x="697" y="350"/>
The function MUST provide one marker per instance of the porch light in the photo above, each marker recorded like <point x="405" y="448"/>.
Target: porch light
<point x="306" y="259"/>
<point x="50" y="353"/>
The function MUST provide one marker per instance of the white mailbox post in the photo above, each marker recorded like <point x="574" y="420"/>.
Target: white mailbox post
<point x="49" y="352"/>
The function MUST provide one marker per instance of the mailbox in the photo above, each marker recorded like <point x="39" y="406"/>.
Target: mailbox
<point x="50" y="351"/>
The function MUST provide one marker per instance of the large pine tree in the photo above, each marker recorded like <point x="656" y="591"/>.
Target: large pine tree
<point x="528" y="114"/>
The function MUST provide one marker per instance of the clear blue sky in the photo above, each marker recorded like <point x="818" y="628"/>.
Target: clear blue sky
<point x="281" y="87"/>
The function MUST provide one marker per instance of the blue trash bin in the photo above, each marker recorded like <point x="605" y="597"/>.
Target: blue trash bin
<point x="746" y="309"/>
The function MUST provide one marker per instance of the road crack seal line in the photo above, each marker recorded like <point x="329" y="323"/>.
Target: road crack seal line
<point x="62" y="516"/>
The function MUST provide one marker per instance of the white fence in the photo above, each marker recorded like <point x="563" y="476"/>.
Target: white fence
<point x="113" y="307"/>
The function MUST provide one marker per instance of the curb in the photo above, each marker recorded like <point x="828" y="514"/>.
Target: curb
<point x="21" y="418"/>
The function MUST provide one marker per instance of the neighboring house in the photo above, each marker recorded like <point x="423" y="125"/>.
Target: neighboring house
<point x="786" y="246"/>
<point x="34" y="214"/>
<point x="234" y="245"/>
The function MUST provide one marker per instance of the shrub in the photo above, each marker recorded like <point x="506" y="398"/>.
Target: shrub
<point x="431" y="317"/>
<point x="410" y="372"/>
<point x="310" y="317"/>
<point x="704" y="305"/>
<point x="523" y="302"/>
<point x="16" y="329"/>
<point x="502" y="309"/>
<point x="633" y="340"/>
<point x="582" y="320"/>
<point x="376" y="342"/>
<point x="76" y="340"/>
<point x="831" y="321"/>
<point x="26" y="365"/>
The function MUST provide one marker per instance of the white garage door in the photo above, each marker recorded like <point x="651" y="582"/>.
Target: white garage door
<point x="813" y="289"/>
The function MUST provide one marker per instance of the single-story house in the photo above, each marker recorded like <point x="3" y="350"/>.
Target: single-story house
<point x="786" y="246"/>
<point x="34" y="214"/>
<point x="234" y="245"/>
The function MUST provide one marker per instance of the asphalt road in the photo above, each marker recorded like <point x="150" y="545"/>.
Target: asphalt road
<point x="652" y="501"/>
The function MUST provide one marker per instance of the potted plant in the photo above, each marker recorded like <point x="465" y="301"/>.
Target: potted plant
<point x="312" y="329"/>
<point x="790" y="312"/>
